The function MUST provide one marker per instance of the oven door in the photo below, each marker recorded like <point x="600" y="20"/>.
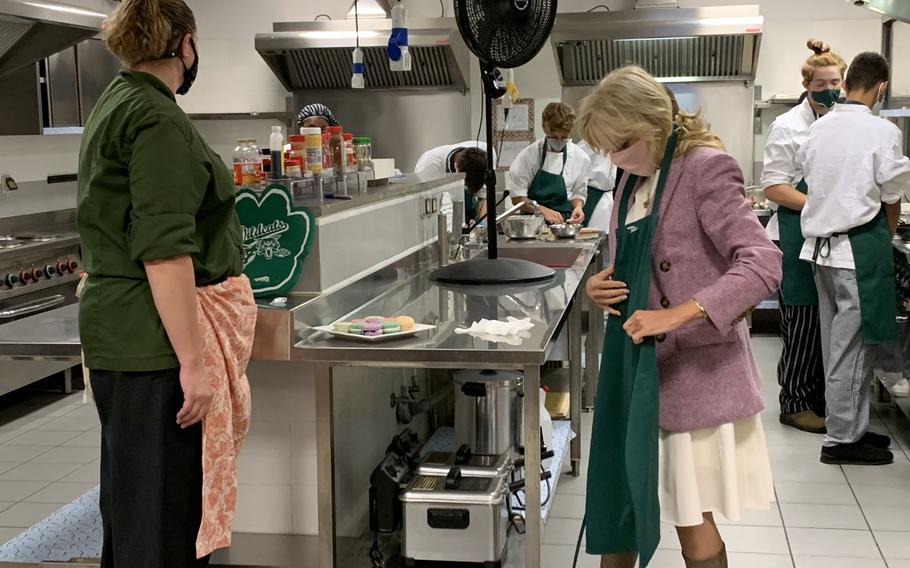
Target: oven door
<point x="45" y="300"/>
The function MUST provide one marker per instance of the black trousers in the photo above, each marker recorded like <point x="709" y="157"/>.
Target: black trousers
<point x="801" y="372"/>
<point x="151" y="472"/>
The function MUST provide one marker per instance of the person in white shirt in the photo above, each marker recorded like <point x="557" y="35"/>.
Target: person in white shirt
<point x="469" y="158"/>
<point x="800" y="371"/>
<point x="601" y="183"/>
<point x="553" y="171"/>
<point x="857" y="175"/>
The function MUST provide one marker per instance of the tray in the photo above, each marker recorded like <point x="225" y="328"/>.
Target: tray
<point x="375" y="338"/>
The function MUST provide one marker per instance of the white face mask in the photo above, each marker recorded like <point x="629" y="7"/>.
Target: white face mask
<point x="877" y="107"/>
<point x="556" y="145"/>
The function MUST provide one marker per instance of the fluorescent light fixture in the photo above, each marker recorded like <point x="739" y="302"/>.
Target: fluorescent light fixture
<point x="67" y="9"/>
<point x="368" y="9"/>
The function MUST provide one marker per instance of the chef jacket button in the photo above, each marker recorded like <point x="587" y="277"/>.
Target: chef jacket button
<point x="661" y="338"/>
<point x="664" y="302"/>
<point x="665" y="266"/>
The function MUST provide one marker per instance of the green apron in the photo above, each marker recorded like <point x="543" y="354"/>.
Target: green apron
<point x="470" y="206"/>
<point x="875" y="280"/>
<point x="594" y="197"/>
<point x="798" y="285"/>
<point x="622" y="512"/>
<point x="549" y="189"/>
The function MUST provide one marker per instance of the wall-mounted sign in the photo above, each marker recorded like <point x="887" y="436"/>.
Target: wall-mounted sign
<point x="276" y="238"/>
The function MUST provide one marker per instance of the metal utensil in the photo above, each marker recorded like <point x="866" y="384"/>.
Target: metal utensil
<point x="565" y="231"/>
<point x="521" y="226"/>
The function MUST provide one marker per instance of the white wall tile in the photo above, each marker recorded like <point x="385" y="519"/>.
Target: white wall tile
<point x="263" y="509"/>
<point x="305" y="512"/>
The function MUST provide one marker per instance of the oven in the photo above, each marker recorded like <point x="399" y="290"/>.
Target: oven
<point x="40" y="268"/>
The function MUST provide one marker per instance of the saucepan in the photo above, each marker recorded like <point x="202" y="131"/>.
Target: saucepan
<point x="522" y="226"/>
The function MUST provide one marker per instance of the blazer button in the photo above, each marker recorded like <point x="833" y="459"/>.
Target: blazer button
<point x="664" y="302"/>
<point x="660" y="338"/>
<point x="665" y="266"/>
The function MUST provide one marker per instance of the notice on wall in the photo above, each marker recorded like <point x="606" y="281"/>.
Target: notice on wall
<point x="510" y="151"/>
<point x="518" y="120"/>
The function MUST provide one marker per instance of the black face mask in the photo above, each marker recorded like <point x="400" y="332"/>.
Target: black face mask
<point x="189" y="74"/>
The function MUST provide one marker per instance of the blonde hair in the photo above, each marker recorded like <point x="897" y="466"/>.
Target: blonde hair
<point x="822" y="56"/>
<point x="558" y="116"/>
<point x="145" y="30"/>
<point x="629" y="105"/>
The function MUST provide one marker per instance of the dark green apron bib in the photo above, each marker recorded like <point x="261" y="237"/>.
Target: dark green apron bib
<point x="594" y="197"/>
<point x="798" y="285"/>
<point x="470" y="206"/>
<point x="549" y="189"/>
<point x="874" y="261"/>
<point x="622" y="512"/>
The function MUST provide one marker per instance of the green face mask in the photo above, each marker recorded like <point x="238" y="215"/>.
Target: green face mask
<point x="826" y="98"/>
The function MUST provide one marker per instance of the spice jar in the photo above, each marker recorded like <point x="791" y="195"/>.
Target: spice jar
<point x="336" y="148"/>
<point x="350" y="159"/>
<point x="313" y="145"/>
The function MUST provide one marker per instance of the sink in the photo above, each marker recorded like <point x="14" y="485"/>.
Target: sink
<point x="551" y="257"/>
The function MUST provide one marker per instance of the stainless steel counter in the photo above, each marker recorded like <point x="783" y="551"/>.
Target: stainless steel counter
<point x="409" y="185"/>
<point x="550" y="305"/>
<point x="50" y="336"/>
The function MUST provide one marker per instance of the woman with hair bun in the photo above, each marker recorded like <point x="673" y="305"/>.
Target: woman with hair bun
<point x="800" y="371"/>
<point x="166" y="318"/>
<point x="677" y="430"/>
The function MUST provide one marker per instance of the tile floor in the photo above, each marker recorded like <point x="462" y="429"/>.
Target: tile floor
<point x="827" y="516"/>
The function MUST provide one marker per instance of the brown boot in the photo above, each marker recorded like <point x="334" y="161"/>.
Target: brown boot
<point x="719" y="561"/>
<point x="807" y="421"/>
<point x="621" y="560"/>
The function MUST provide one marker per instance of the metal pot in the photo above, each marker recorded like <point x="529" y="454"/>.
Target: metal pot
<point x="488" y="407"/>
<point x="522" y="226"/>
<point x="565" y="231"/>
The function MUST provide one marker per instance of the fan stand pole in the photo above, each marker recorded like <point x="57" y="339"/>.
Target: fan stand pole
<point x="486" y="73"/>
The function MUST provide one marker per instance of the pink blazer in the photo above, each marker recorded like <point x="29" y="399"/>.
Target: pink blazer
<point x="709" y="246"/>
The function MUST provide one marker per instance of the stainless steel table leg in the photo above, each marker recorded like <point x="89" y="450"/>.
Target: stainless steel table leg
<point x="575" y="378"/>
<point x="325" y="464"/>
<point x="592" y="352"/>
<point x="532" y="465"/>
<point x="68" y="381"/>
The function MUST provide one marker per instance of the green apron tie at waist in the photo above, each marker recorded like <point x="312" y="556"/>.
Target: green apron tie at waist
<point x="622" y="512"/>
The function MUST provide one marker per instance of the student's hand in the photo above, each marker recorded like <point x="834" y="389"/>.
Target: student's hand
<point x="578" y="216"/>
<point x="550" y="216"/>
<point x="197" y="395"/>
<point x="607" y="292"/>
<point x="648" y="323"/>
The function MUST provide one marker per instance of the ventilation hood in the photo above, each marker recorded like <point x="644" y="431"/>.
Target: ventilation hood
<point x="897" y="9"/>
<point x="31" y="30"/>
<point x="317" y="55"/>
<point x="675" y="45"/>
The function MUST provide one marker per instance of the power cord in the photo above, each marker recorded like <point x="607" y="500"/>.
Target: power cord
<point x="442" y="5"/>
<point x="604" y="6"/>
<point x="326" y="16"/>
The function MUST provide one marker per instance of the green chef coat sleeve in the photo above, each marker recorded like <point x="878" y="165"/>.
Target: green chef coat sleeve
<point x="167" y="184"/>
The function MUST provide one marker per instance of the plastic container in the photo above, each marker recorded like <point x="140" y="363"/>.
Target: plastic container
<point x="247" y="163"/>
<point x="350" y="157"/>
<point x="363" y="149"/>
<point x="293" y="168"/>
<point x="326" y="154"/>
<point x="336" y="148"/>
<point x="276" y="144"/>
<point x="313" y="147"/>
<point x="298" y="147"/>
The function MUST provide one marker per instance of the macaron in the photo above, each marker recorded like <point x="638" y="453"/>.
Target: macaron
<point x="358" y="320"/>
<point x="356" y="331"/>
<point x="371" y="327"/>
<point x="391" y="327"/>
<point x="343" y="326"/>
<point x="406" y="322"/>
<point x="376" y="333"/>
<point x="374" y="319"/>
<point x="357" y="326"/>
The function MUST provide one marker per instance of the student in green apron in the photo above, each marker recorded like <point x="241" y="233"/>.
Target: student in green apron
<point x="800" y="372"/>
<point x="857" y="175"/>
<point x="677" y="423"/>
<point x="554" y="170"/>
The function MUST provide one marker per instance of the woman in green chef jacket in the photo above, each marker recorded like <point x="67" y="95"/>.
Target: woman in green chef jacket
<point x="156" y="218"/>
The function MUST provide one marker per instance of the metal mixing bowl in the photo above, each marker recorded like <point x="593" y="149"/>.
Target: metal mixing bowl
<point x="565" y="231"/>
<point x="521" y="226"/>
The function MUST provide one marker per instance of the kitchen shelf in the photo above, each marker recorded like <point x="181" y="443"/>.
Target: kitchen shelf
<point x="280" y="116"/>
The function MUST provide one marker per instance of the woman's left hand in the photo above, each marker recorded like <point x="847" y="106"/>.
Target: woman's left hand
<point x="648" y="323"/>
<point x="578" y="216"/>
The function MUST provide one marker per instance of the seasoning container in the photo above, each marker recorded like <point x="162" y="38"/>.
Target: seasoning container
<point x="293" y="168"/>
<point x="326" y="154"/>
<point x="298" y="147"/>
<point x="313" y="147"/>
<point x="336" y="148"/>
<point x="276" y="144"/>
<point x="247" y="165"/>
<point x="350" y="158"/>
<point x="363" y="148"/>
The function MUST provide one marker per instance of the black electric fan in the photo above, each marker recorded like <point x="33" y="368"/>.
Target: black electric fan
<point x="507" y="34"/>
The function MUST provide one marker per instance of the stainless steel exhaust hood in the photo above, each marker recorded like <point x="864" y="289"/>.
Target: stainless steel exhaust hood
<point x="674" y="45"/>
<point x="31" y="30"/>
<point x="317" y="55"/>
<point x="898" y="9"/>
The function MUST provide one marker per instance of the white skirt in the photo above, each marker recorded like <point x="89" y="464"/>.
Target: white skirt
<point x="724" y="470"/>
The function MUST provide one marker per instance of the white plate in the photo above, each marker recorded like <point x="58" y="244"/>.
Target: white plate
<point x="375" y="338"/>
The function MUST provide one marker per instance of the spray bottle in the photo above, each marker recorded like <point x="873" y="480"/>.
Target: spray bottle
<point x="399" y="58"/>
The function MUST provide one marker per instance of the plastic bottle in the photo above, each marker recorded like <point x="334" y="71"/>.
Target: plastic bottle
<point x="313" y="146"/>
<point x="336" y="147"/>
<point x="276" y="143"/>
<point x="238" y="162"/>
<point x="326" y="154"/>
<point x="364" y="149"/>
<point x="247" y="164"/>
<point x="350" y="159"/>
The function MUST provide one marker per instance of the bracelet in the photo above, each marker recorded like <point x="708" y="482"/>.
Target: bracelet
<point x="704" y="314"/>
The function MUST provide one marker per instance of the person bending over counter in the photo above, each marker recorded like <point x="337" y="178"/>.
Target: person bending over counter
<point x="469" y="158"/>
<point x="553" y="171"/>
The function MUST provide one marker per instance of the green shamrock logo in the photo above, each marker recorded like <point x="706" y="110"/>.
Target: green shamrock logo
<point x="276" y="238"/>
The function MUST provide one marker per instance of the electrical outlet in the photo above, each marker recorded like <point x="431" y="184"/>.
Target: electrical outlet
<point x="9" y="184"/>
